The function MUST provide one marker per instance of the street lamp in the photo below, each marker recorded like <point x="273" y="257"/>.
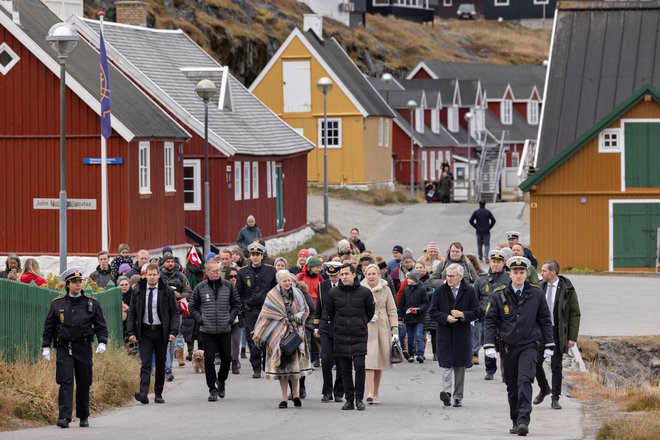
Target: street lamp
<point x="205" y="90"/>
<point x="387" y="79"/>
<point x="412" y="105"/>
<point x="325" y="85"/>
<point x="63" y="39"/>
<point x="468" y="117"/>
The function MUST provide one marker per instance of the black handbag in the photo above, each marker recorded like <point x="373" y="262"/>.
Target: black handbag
<point x="291" y="342"/>
<point x="396" y="354"/>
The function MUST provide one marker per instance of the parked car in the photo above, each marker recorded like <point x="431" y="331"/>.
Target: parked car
<point x="466" y="11"/>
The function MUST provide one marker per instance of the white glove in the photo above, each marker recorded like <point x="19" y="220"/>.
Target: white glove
<point x="46" y="353"/>
<point x="100" y="349"/>
<point x="375" y="318"/>
<point x="491" y="353"/>
<point x="547" y="353"/>
<point x="235" y="320"/>
<point x="395" y="338"/>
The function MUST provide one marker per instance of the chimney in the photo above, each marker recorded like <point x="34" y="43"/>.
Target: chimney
<point x="315" y="23"/>
<point x="132" y="12"/>
<point x="14" y="12"/>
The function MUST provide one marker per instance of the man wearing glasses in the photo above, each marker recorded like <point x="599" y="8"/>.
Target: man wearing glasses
<point x="215" y="305"/>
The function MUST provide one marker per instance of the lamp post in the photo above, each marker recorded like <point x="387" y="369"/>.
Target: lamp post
<point x="387" y="79"/>
<point x="325" y="85"/>
<point x="468" y="117"/>
<point x="205" y="90"/>
<point x="412" y="105"/>
<point x="63" y="39"/>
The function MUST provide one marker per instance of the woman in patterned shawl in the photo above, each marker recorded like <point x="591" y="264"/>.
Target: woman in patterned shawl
<point x="284" y="311"/>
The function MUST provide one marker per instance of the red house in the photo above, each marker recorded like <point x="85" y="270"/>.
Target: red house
<point x="144" y="204"/>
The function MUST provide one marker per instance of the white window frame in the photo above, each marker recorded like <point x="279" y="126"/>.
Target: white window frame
<point x="273" y="176"/>
<point x="238" y="181"/>
<point x="515" y="159"/>
<point x="4" y="47"/>
<point x="533" y="112"/>
<point x="506" y="112"/>
<point x="501" y="3"/>
<point x="541" y="2"/>
<point x="339" y="133"/>
<point x="196" y="165"/>
<point x="447" y="3"/>
<point x="144" y="167"/>
<point x="381" y="123"/>
<point x="452" y="119"/>
<point x="388" y="127"/>
<point x="435" y="120"/>
<point x="255" y="180"/>
<point x="269" y="182"/>
<point x="419" y="120"/>
<point x="246" y="180"/>
<point x="425" y="165"/>
<point x="168" y="163"/>
<point x="610" y="140"/>
<point x="381" y="2"/>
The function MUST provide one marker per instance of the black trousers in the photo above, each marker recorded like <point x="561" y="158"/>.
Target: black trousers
<point x="221" y="344"/>
<point x="352" y="390"/>
<point x="256" y="356"/>
<point x="68" y="368"/>
<point x="483" y="244"/>
<point x="519" y="370"/>
<point x="152" y="343"/>
<point x="327" y="360"/>
<point x="555" y="367"/>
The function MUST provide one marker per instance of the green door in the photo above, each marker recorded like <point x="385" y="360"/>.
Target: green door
<point x="635" y="234"/>
<point x="642" y="154"/>
<point x="279" y="201"/>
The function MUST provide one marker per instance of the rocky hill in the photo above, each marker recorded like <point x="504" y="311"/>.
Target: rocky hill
<point x="244" y="34"/>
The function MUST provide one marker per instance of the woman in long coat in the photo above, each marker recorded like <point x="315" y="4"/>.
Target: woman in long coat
<point x="381" y="329"/>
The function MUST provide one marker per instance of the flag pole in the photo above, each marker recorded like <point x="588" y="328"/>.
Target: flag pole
<point x="104" y="173"/>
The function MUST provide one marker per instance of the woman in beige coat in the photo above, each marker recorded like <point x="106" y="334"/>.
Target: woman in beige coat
<point x="382" y="329"/>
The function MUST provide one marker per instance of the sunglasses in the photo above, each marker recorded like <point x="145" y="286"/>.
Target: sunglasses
<point x="233" y="276"/>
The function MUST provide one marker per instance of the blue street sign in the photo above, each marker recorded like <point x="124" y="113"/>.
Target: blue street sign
<point x="97" y="160"/>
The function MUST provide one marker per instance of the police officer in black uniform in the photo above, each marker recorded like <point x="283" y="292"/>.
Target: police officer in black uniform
<point x="323" y="330"/>
<point x="520" y="314"/>
<point x="73" y="320"/>
<point x="253" y="284"/>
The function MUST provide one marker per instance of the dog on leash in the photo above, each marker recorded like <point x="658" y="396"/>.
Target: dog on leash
<point x="198" y="361"/>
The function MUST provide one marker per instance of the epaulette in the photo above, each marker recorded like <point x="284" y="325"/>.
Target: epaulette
<point x="88" y="295"/>
<point x="60" y="296"/>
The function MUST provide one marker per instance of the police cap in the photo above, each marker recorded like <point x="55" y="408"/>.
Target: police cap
<point x="72" y="274"/>
<point x="332" y="267"/>
<point x="256" y="248"/>
<point x="518" y="263"/>
<point x="512" y="234"/>
<point x="497" y="254"/>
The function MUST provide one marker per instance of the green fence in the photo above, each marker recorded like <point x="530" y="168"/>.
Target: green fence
<point x="23" y="310"/>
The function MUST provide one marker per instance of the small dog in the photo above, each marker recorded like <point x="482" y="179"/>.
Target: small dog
<point x="198" y="361"/>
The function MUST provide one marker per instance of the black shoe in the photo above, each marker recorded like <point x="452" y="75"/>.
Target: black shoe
<point x="446" y="398"/>
<point x="348" y="406"/>
<point x="84" y="423"/>
<point x="221" y="390"/>
<point x="317" y="363"/>
<point x="457" y="403"/>
<point x="256" y="374"/>
<point x="514" y="429"/>
<point x="555" y="404"/>
<point x="488" y="376"/>
<point x="411" y="359"/>
<point x="142" y="398"/>
<point x="406" y="355"/>
<point x="541" y="396"/>
<point x="189" y="357"/>
<point x="297" y="402"/>
<point x="213" y="396"/>
<point x="303" y="392"/>
<point x="283" y="404"/>
<point x="234" y="367"/>
<point x="243" y="355"/>
<point x="159" y="399"/>
<point x="359" y="405"/>
<point x="326" y="398"/>
<point x="170" y="378"/>
<point x="420" y="359"/>
<point x="339" y="399"/>
<point x="63" y="423"/>
<point x="521" y="430"/>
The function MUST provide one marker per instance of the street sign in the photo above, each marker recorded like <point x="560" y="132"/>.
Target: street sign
<point x="79" y="204"/>
<point x="97" y="160"/>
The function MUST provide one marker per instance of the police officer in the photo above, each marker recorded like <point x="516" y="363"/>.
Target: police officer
<point x="520" y="314"/>
<point x="495" y="280"/>
<point x="323" y="330"/>
<point x="253" y="284"/>
<point x="512" y="238"/>
<point x="73" y="320"/>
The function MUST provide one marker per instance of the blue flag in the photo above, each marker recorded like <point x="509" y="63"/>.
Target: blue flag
<point x="106" y="128"/>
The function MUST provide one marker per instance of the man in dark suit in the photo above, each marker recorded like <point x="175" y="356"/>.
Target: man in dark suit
<point x="565" y="316"/>
<point x="482" y="220"/>
<point x="324" y="332"/>
<point x="153" y="320"/>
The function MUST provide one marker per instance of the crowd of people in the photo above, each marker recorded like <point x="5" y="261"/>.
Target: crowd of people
<point x="343" y="311"/>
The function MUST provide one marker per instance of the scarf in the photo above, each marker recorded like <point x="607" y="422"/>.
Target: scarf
<point x="272" y="324"/>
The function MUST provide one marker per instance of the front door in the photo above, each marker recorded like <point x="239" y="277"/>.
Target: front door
<point x="634" y="234"/>
<point x="279" y="197"/>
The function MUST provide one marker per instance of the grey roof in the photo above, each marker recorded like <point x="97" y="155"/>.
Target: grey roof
<point x="518" y="132"/>
<point x="249" y="127"/>
<point x="379" y="84"/>
<point x="399" y="98"/>
<point x="129" y="105"/>
<point x="602" y="53"/>
<point x="339" y="61"/>
<point x="428" y="138"/>
<point x="445" y="87"/>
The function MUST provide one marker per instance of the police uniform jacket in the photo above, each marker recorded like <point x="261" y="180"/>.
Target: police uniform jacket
<point x="566" y="312"/>
<point x="214" y="305"/>
<point x="520" y="322"/>
<point x="75" y="321"/>
<point x="488" y="284"/>
<point x="168" y="311"/>
<point x="254" y="283"/>
<point x="321" y="321"/>
<point x="350" y="308"/>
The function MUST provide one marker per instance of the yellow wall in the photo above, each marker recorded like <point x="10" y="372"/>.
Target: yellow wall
<point x="345" y="165"/>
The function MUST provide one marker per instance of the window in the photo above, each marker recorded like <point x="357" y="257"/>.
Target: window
<point x="255" y="180"/>
<point x="380" y="131"/>
<point x="8" y="58"/>
<point x="432" y="165"/>
<point x="540" y="2"/>
<point x="419" y="120"/>
<point x="501" y="2"/>
<point x="334" y="133"/>
<point x="192" y="185"/>
<point x="273" y="176"/>
<point x="169" y="166"/>
<point x="481" y="119"/>
<point x="533" y="113"/>
<point x="425" y="169"/>
<point x="144" y="168"/>
<point x="515" y="159"/>
<point x="506" y="112"/>
<point x="446" y="3"/>
<point x="246" y="180"/>
<point x="269" y="182"/>
<point x="237" y="181"/>
<point x="435" y="120"/>
<point x="452" y="119"/>
<point x="609" y="141"/>
<point x="388" y="127"/>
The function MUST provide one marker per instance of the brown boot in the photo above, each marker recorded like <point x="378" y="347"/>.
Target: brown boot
<point x="179" y="357"/>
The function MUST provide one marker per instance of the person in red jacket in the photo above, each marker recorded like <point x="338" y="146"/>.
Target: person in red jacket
<point x="311" y="275"/>
<point x="32" y="272"/>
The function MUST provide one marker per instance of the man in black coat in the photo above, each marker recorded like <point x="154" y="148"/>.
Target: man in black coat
<point x="324" y="332"/>
<point x="454" y="306"/>
<point x="521" y="316"/>
<point x="350" y="308"/>
<point x="482" y="220"/>
<point x="153" y="321"/>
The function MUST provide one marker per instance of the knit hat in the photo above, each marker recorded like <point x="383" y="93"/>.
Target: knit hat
<point x="314" y="262"/>
<point x="343" y="246"/>
<point x="413" y="275"/>
<point x="407" y="254"/>
<point x="398" y="248"/>
<point x="312" y="251"/>
<point x="303" y="253"/>
<point x="210" y="255"/>
<point x="124" y="267"/>
<point x="432" y="247"/>
<point x="286" y="263"/>
<point x="167" y="250"/>
<point x="168" y="257"/>
<point x="382" y="264"/>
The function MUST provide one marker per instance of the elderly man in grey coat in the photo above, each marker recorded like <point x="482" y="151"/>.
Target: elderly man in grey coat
<point x="248" y="234"/>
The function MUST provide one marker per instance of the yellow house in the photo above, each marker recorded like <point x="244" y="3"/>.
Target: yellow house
<point x="359" y="120"/>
